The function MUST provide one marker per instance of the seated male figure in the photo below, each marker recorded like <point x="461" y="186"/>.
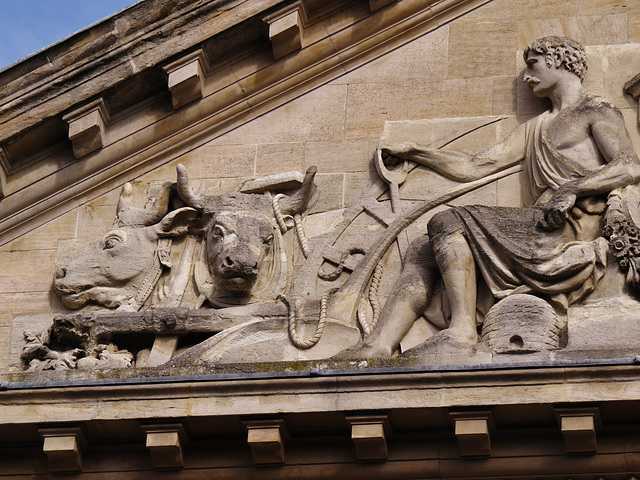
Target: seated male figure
<point x="574" y="155"/>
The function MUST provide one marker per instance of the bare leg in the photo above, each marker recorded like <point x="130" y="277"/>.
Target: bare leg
<point x="410" y="298"/>
<point x="458" y="270"/>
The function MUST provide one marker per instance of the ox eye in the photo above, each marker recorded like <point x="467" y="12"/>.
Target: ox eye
<point x="217" y="231"/>
<point x="111" y="242"/>
<point x="268" y="240"/>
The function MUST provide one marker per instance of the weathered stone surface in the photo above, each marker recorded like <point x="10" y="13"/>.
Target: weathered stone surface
<point x="621" y="66"/>
<point x="589" y="328"/>
<point x="634" y="27"/>
<point x="504" y="95"/>
<point x="318" y="116"/>
<point x="93" y="220"/>
<point x="15" y="278"/>
<point x="330" y="192"/>
<point x="48" y="235"/>
<point x="274" y="158"/>
<point x="470" y="56"/>
<point x="339" y="156"/>
<point x="469" y="66"/>
<point x="222" y="160"/>
<point x="433" y="75"/>
<point x="521" y="10"/>
<point x="509" y="191"/>
<point x="370" y="105"/>
<point x="423" y="58"/>
<point x="606" y="7"/>
<point x="588" y="30"/>
<point x="369" y="435"/>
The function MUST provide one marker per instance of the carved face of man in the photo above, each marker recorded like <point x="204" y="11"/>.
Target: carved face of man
<point x="541" y="75"/>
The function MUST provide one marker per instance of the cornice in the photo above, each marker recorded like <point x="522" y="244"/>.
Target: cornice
<point x="228" y="100"/>
<point x="116" y="49"/>
<point x="322" y="390"/>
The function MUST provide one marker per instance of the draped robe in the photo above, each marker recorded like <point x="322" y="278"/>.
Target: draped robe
<point x="515" y="255"/>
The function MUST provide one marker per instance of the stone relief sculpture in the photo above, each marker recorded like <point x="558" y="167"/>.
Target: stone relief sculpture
<point x="574" y="155"/>
<point x="123" y="269"/>
<point x="234" y="277"/>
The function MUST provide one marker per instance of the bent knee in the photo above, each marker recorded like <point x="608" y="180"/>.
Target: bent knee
<point x="420" y="254"/>
<point x="444" y="223"/>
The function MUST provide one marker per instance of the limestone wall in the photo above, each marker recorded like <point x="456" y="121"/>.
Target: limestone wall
<point x="470" y="67"/>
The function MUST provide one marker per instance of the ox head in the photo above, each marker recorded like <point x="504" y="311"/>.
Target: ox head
<point x="238" y="247"/>
<point x="242" y="240"/>
<point x="113" y="272"/>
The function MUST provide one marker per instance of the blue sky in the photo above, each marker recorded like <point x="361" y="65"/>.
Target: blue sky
<point x="27" y="26"/>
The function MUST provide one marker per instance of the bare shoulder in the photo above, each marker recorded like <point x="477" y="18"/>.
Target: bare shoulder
<point x="597" y="109"/>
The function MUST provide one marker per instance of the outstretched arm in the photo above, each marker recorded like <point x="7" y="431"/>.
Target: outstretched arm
<point x="460" y="166"/>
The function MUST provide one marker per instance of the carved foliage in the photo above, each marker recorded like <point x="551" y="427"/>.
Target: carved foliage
<point x="622" y="229"/>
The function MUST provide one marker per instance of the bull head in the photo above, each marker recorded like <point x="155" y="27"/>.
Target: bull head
<point x="116" y="271"/>
<point x="242" y="254"/>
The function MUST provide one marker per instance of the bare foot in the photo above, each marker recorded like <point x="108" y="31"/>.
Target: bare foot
<point x="363" y="350"/>
<point x="443" y="341"/>
<point x="463" y="335"/>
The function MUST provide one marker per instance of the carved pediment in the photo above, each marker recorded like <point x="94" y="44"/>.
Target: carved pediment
<point x="135" y="70"/>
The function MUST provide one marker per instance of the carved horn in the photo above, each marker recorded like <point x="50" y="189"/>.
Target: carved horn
<point x="153" y="211"/>
<point x="303" y="198"/>
<point x="125" y="202"/>
<point x="186" y="192"/>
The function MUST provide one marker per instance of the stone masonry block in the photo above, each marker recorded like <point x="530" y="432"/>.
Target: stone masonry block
<point x="266" y="439"/>
<point x="578" y="428"/>
<point x="472" y="429"/>
<point x="166" y="444"/>
<point x="369" y="435"/>
<point x="164" y="346"/>
<point x="285" y="30"/>
<point x="186" y="78"/>
<point x="87" y="127"/>
<point x="63" y="447"/>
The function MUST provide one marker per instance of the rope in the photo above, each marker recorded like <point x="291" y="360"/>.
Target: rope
<point x="331" y="276"/>
<point x="373" y="300"/>
<point x="373" y="294"/>
<point x="302" y="238"/>
<point x="292" y="320"/>
<point x="362" y="317"/>
<point x="297" y="221"/>
<point x="278" y="214"/>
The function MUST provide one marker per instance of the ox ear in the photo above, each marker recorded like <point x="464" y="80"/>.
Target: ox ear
<point x="176" y="222"/>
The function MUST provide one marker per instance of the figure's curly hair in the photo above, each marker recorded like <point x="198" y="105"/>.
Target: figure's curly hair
<point x="567" y="53"/>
